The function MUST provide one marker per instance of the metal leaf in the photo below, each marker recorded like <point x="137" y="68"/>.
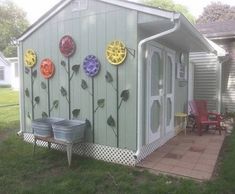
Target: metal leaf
<point x="88" y="123"/>
<point x="76" y="68"/>
<point x="34" y="73"/>
<point x="100" y="103"/>
<point x="56" y="103"/>
<point x="28" y="115"/>
<point x="43" y="85"/>
<point x="125" y="95"/>
<point x="37" y="99"/>
<point x="108" y="77"/>
<point x="26" y="92"/>
<point x="84" y="85"/>
<point x="63" y="91"/>
<point x="63" y="63"/>
<point x="44" y="115"/>
<point x="26" y="70"/>
<point x="76" y="113"/>
<point x="111" y="121"/>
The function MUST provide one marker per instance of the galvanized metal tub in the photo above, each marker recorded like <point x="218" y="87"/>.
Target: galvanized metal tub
<point x="69" y="131"/>
<point x="43" y="127"/>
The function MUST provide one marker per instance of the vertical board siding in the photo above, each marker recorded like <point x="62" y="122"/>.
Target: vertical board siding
<point x="205" y="78"/>
<point x="228" y="80"/>
<point x="92" y="30"/>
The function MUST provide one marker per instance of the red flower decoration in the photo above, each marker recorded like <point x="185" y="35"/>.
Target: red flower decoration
<point x="47" y="68"/>
<point x="67" y="46"/>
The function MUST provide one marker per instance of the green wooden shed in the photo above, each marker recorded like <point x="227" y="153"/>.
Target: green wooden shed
<point x="129" y="99"/>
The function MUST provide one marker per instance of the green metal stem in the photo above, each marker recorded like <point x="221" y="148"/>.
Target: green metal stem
<point x="93" y="110"/>
<point x="117" y="87"/>
<point x="48" y="98"/>
<point x="32" y="96"/>
<point x="69" y="88"/>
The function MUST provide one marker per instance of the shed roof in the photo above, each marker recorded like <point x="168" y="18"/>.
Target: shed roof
<point x="218" y="30"/>
<point x="192" y="32"/>
<point x="4" y="60"/>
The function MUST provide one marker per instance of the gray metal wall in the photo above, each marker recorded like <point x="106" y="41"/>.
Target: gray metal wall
<point x="92" y="29"/>
<point x="206" y="77"/>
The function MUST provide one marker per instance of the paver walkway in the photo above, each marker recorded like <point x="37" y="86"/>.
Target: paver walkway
<point x="190" y="156"/>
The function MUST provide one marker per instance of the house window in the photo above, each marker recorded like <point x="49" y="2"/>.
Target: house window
<point x="16" y="69"/>
<point x="2" y="74"/>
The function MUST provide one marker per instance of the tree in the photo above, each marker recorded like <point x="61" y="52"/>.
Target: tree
<point x="12" y="23"/>
<point x="171" y="6"/>
<point x="217" y="11"/>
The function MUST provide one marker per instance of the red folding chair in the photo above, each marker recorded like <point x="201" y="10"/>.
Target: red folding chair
<point x="204" y="118"/>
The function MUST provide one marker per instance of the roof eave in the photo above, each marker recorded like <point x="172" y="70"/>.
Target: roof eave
<point x="198" y="35"/>
<point x="43" y="19"/>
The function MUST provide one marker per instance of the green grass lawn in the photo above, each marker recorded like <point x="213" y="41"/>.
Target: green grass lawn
<point x="47" y="172"/>
<point x="9" y="116"/>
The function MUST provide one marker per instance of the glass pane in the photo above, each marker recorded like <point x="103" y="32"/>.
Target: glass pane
<point x="155" y="116"/>
<point x="156" y="73"/>
<point x="169" y="75"/>
<point x="168" y="111"/>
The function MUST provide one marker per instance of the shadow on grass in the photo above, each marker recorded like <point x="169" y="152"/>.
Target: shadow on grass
<point x="47" y="172"/>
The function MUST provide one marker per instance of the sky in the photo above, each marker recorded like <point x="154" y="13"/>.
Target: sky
<point x="36" y="8"/>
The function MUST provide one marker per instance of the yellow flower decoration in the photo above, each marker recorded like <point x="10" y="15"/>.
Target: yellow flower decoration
<point x="116" y="52"/>
<point x="30" y="58"/>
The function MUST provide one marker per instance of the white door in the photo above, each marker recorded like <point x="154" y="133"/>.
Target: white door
<point x="169" y="91"/>
<point x="160" y="95"/>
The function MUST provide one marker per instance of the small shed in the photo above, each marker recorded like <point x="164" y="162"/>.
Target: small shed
<point x="120" y="66"/>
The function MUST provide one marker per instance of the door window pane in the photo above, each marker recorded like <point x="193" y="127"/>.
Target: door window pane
<point x="168" y="111"/>
<point x="169" y="75"/>
<point x="156" y="74"/>
<point x="155" y="116"/>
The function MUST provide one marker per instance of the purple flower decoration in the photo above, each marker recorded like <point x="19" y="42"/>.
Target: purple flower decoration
<point x="91" y="65"/>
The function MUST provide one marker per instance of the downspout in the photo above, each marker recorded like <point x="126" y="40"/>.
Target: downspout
<point x="140" y="111"/>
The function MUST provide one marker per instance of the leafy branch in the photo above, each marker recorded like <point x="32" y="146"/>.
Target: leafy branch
<point x="112" y="124"/>
<point x="125" y="96"/>
<point x="100" y="104"/>
<point x="109" y="79"/>
<point x="63" y="92"/>
<point x="85" y="86"/>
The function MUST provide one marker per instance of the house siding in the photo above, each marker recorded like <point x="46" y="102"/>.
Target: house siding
<point x="206" y="78"/>
<point x="92" y="29"/>
<point x="228" y="77"/>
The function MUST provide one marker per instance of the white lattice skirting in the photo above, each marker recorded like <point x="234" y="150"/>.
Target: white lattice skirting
<point x="100" y="152"/>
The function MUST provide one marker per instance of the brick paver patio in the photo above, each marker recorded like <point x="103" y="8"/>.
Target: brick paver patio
<point x="188" y="155"/>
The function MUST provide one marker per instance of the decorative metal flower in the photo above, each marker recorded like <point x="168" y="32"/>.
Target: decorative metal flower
<point x="67" y="46"/>
<point x="47" y="68"/>
<point x="91" y="65"/>
<point x="30" y="58"/>
<point x="116" y="52"/>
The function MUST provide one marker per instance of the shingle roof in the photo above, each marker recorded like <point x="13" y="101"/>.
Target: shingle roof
<point x="220" y="29"/>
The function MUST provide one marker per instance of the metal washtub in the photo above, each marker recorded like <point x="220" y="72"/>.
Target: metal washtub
<point x="70" y="131"/>
<point x="43" y="127"/>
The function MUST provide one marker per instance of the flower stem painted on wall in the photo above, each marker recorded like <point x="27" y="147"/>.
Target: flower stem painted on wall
<point x="91" y="67"/>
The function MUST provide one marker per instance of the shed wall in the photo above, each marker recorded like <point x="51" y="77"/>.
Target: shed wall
<point x="92" y="29"/>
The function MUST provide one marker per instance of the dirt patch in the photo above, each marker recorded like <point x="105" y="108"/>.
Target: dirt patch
<point x="3" y="136"/>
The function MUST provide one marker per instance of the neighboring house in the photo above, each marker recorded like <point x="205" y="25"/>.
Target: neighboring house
<point x="14" y="72"/>
<point x="223" y="34"/>
<point x="9" y="72"/>
<point x="5" y="71"/>
<point x="205" y="76"/>
<point x="130" y="107"/>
